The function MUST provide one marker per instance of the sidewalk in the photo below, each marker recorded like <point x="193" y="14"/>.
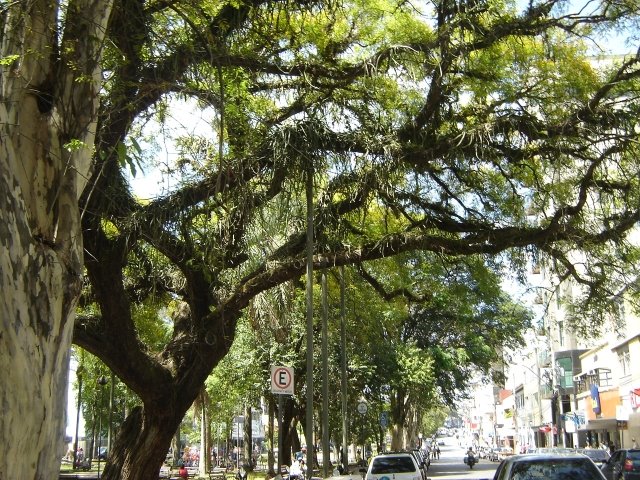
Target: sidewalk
<point x="78" y="475"/>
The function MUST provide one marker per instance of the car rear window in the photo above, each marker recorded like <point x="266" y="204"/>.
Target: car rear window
<point x="596" y="454"/>
<point x="565" y="469"/>
<point x="403" y="464"/>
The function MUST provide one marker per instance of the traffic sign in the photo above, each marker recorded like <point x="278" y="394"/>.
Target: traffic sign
<point x="384" y="419"/>
<point x="282" y="380"/>
<point x="362" y="408"/>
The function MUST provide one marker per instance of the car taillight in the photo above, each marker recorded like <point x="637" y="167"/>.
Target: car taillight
<point x="628" y="465"/>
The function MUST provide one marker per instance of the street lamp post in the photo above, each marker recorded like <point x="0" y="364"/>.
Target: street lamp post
<point x="75" y="443"/>
<point x="102" y="381"/>
<point x="239" y="426"/>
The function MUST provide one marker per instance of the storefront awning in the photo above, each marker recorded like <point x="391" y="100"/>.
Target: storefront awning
<point x="600" y="424"/>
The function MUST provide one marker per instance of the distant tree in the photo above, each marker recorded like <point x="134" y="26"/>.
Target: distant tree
<point x="439" y="325"/>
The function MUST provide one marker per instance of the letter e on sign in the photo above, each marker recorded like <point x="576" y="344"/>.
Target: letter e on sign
<point x="282" y="380"/>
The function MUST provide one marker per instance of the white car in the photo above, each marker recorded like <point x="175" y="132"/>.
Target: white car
<point x="394" y="466"/>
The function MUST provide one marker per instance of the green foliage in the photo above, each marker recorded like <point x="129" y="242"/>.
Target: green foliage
<point x="433" y="131"/>
<point x="8" y="60"/>
<point x="74" y="145"/>
<point x="433" y="419"/>
<point x="454" y="317"/>
<point x="95" y="399"/>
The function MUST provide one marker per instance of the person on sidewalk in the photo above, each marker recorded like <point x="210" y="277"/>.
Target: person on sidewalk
<point x="183" y="472"/>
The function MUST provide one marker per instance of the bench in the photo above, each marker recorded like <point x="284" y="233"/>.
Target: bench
<point x="218" y="473"/>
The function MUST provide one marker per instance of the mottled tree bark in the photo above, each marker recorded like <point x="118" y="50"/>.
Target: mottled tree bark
<point x="47" y="128"/>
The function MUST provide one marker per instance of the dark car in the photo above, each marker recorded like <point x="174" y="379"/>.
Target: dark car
<point x="623" y="464"/>
<point x="102" y="453"/>
<point x="557" y="466"/>
<point x="598" y="455"/>
<point x="422" y="462"/>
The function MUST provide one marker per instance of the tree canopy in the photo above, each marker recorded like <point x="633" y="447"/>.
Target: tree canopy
<point x="436" y="126"/>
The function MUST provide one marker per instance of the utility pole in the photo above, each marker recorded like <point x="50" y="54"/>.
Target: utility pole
<point x="326" y="460"/>
<point x="309" y="416"/>
<point x="343" y="383"/>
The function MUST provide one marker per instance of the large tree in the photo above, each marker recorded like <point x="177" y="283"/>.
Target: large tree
<point x="50" y="78"/>
<point x="453" y="117"/>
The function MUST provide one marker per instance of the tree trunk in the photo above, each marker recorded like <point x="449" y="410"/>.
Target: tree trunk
<point x="248" y="438"/>
<point x="44" y="108"/>
<point x="175" y="447"/>
<point x="140" y="447"/>
<point x="398" y="417"/>
<point x="203" y="464"/>
<point x="290" y="437"/>
<point x="209" y="436"/>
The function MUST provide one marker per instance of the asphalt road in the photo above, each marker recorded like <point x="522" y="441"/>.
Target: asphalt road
<point x="451" y="466"/>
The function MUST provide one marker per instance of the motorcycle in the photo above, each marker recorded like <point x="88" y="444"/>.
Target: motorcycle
<point x="470" y="460"/>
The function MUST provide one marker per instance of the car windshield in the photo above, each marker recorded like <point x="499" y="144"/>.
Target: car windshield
<point x="403" y="464"/>
<point x="634" y="454"/>
<point x="555" y="469"/>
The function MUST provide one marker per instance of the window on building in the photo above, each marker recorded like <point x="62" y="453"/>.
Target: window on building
<point x="565" y="372"/>
<point x="625" y="361"/>
<point x="604" y="377"/>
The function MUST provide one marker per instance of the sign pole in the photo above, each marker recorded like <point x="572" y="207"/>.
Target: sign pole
<point x="281" y="385"/>
<point x="280" y="422"/>
<point x="362" y="410"/>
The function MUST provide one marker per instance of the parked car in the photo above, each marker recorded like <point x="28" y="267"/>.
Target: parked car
<point x="504" y="452"/>
<point x="552" y="450"/>
<point x="559" y="466"/>
<point x="399" y="466"/>
<point x="485" y="453"/>
<point x="422" y="462"/>
<point x="598" y="455"/>
<point x="624" y="464"/>
<point x="102" y="453"/>
<point x="492" y="455"/>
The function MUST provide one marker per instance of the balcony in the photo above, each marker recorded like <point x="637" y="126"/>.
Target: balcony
<point x="596" y="376"/>
<point x="544" y="359"/>
<point x="546" y="392"/>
